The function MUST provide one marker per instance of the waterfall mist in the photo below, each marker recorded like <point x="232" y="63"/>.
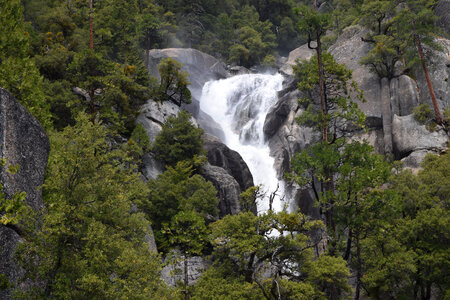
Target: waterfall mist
<point x="240" y="105"/>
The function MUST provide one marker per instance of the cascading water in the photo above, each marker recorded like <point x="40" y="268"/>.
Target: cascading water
<point x="240" y="105"/>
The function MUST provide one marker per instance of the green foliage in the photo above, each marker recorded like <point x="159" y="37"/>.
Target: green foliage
<point x="188" y="232"/>
<point x="178" y="190"/>
<point x="216" y="283"/>
<point x="139" y="136"/>
<point x="312" y="22"/>
<point x="179" y="140"/>
<point x="174" y="82"/>
<point x="406" y="248"/>
<point x="92" y="242"/>
<point x="382" y="58"/>
<point x="423" y="113"/>
<point x="12" y="209"/>
<point x="248" y="198"/>
<point x="340" y="110"/>
<point x="18" y="72"/>
<point x="248" y="244"/>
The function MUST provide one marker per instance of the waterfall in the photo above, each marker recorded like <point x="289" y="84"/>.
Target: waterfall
<point x="240" y="105"/>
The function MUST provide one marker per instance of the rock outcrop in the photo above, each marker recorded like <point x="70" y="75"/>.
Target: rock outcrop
<point x="23" y="142"/>
<point x="438" y="65"/>
<point x="301" y="53"/>
<point x="173" y="272"/>
<point x="228" y="190"/>
<point x="410" y="136"/>
<point x="442" y="10"/>
<point x="220" y="155"/>
<point x="385" y="100"/>
<point x="154" y="115"/>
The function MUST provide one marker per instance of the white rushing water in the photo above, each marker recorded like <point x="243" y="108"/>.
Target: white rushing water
<point x="240" y="105"/>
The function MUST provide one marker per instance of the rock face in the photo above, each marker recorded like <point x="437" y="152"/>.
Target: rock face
<point x="438" y="64"/>
<point x="404" y="95"/>
<point x="23" y="142"/>
<point x="388" y="101"/>
<point x="348" y="50"/>
<point x="410" y="136"/>
<point x="300" y="53"/>
<point x="228" y="190"/>
<point x="174" y="272"/>
<point x="154" y="115"/>
<point x="442" y="10"/>
<point x="220" y="155"/>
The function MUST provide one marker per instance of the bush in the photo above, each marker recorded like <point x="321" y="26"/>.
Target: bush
<point x="423" y="113"/>
<point x="179" y="140"/>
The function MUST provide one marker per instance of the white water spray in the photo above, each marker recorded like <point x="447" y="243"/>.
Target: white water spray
<point x="240" y="105"/>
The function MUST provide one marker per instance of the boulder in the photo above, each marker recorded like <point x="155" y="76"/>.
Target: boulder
<point x="301" y="53"/>
<point x="154" y="115"/>
<point x="410" y="136"/>
<point x="220" y="155"/>
<point x="23" y="142"/>
<point x="228" y="190"/>
<point x="414" y="160"/>
<point x="173" y="272"/>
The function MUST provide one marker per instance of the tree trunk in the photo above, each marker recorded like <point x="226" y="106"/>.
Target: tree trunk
<point x="91" y="67"/>
<point x="323" y="106"/>
<point x="430" y="85"/>
<point x="91" y="26"/>
<point x="358" y="268"/>
<point x="147" y="53"/>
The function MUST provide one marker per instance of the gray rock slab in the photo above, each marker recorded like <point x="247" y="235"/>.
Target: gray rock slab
<point x="409" y="136"/>
<point x="228" y="190"/>
<point x="349" y="49"/>
<point x="23" y="142"/>
<point x="301" y="53"/>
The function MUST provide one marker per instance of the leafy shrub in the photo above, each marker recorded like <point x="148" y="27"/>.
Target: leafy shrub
<point x="423" y="113"/>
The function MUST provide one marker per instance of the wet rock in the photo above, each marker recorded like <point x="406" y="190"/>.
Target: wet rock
<point x="228" y="190"/>
<point x="23" y="142"/>
<point x="220" y="155"/>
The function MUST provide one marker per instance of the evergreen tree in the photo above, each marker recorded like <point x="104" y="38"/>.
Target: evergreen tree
<point x="18" y="72"/>
<point x="174" y="82"/>
<point x="178" y="140"/>
<point x="91" y="244"/>
<point x="417" y="26"/>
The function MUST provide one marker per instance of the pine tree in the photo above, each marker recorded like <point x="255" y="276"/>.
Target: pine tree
<point x="91" y="244"/>
<point x="18" y="72"/>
